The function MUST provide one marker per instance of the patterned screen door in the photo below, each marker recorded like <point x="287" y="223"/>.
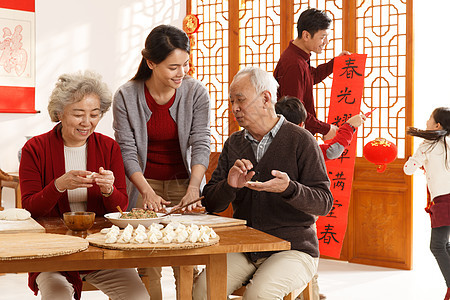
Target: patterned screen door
<point x="237" y="33"/>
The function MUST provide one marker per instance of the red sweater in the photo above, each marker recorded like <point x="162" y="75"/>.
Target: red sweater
<point x="296" y="78"/>
<point x="343" y="137"/>
<point x="42" y="162"/>
<point x="164" y="159"/>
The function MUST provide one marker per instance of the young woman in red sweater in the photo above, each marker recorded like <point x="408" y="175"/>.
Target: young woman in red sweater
<point x="161" y="122"/>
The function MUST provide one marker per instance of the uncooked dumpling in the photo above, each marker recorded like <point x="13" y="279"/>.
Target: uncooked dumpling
<point x="15" y="214"/>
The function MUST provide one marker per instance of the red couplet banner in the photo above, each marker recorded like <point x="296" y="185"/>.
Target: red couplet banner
<point x="346" y="94"/>
<point x="17" y="86"/>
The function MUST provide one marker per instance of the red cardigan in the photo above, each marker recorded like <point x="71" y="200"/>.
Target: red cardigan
<point x="42" y="162"/>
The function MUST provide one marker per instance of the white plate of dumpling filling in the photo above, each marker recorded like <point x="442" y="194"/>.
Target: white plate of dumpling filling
<point x="171" y="236"/>
<point x="135" y="218"/>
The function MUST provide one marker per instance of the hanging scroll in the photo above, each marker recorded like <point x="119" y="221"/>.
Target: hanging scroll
<point x="17" y="56"/>
<point x="346" y="94"/>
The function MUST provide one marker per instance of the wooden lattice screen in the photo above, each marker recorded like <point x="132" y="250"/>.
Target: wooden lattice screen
<point x="237" y="33"/>
<point x="259" y="33"/>
<point x="382" y="35"/>
<point x="211" y="63"/>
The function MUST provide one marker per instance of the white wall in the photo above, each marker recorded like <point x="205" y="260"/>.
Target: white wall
<point x="431" y="88"/>
<point x="102" y="35"/>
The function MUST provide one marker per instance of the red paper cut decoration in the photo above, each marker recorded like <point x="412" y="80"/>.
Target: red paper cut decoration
<point x="380" y="152"/>
<point x="17" y="56"/>
<point x="191" y="23"/>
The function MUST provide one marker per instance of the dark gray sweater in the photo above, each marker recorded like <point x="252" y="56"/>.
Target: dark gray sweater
<point x="289" y="215"/>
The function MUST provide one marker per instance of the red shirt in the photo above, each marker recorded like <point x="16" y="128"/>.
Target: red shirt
<point x="296" y="78"/>
<point x="164" y="159"/>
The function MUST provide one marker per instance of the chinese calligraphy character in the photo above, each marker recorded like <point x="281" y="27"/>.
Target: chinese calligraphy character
<point x="338" y="120"/>
<point x="344" y="96"/>
<point x="343" y="156"/>
<point x="350" y="68"/>
<point x="332" y="213"/>
<point x="339" y="180"/>
<point x="328" y="234"/>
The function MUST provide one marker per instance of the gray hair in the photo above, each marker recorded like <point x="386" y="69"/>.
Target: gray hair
<point x="73" y="87"/>
<point x="261" y="81"/>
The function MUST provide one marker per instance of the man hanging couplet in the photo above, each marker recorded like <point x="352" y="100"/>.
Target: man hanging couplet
<point x="346" y="94"/>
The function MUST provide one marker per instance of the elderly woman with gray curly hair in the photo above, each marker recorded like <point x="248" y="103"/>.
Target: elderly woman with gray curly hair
<point x="73" y="168"/>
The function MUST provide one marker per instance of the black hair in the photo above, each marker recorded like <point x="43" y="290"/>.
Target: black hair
<point x="312" y="20"/>
<point x="440" y="115"/>
<point x="160" y="42"/>
<point x="292" y="109"/>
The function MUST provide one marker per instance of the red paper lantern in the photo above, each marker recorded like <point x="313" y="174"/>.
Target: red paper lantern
<point x="380" y="152"/>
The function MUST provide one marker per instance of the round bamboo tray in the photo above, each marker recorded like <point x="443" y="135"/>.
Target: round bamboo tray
<point x="39" y="245"/>
<point x="98" y="240"/>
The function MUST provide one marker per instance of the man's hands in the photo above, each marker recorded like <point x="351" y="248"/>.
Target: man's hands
<point x="331" y="133"/>
<point x="276" y="185"/>
<point x="241" y="173"/>
<point x="344" y="52"/>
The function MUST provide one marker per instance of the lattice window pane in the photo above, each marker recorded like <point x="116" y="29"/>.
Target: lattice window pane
<point x="381" y="33"/>
<point x="259" y="34"/>
<point x="211" y="63"/>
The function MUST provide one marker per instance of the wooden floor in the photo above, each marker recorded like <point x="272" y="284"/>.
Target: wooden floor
<point x="337" y="280"/>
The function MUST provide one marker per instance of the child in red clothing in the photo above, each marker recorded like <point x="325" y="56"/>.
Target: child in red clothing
<point x="294" y="111"/>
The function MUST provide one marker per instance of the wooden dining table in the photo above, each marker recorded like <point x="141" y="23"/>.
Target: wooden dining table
<point x="239" y="238"/>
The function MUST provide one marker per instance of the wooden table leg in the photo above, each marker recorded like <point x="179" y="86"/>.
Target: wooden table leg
<point x="216" y="276"/>
<point x="185" y="279"/>
<point x="1" y="189"/>
<point x="18" y="196"/>
<point x="14" y="184"/>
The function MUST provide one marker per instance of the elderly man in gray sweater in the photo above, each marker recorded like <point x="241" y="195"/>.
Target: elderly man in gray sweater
<point x="274" y="174"/>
